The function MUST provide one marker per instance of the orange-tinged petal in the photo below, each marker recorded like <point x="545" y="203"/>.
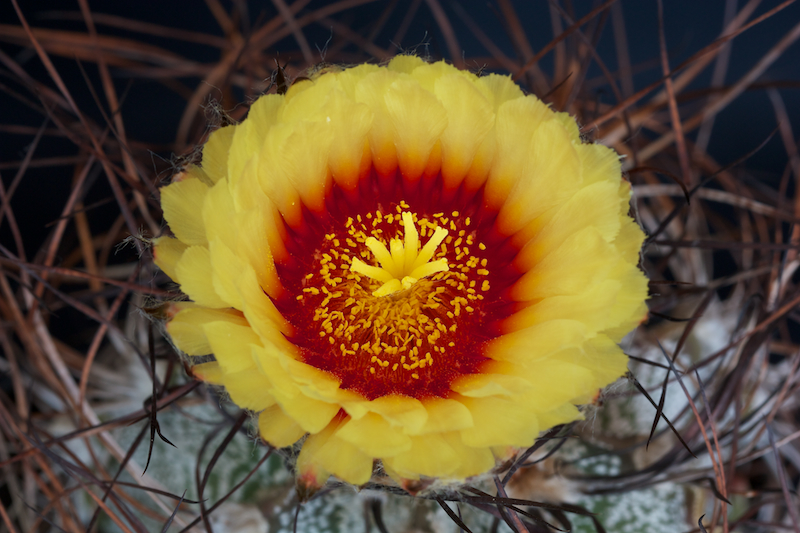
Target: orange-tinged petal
<point x="349" y="158"/>
<point x="273" y="176"/>
<point x="311" y="474"/>
<point x="516" y="119"/>
<point x="370" y="91"/>
<point x="552" y="174"/>
<point x="418" y="119"/>
<point x="469" y="119"/>
<point x="307" y="170"/>
<point x="260" y="310"/>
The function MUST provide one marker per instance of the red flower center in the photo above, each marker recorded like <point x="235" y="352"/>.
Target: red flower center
<point x="419" y="335"/>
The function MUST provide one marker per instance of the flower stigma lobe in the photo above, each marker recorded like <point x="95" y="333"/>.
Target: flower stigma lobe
<point x="403" y="267"/>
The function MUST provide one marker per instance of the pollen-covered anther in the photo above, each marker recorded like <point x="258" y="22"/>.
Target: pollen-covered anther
<point x="403" y="264"/>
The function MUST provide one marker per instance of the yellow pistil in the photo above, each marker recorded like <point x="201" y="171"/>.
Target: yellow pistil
<point x="402" y="265"/>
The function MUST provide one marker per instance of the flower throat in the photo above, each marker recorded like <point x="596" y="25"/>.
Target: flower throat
<point x="402" y="300"/>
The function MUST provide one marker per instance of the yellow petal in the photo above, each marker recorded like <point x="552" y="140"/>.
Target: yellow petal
<point x="594" y="307"/>
<point x="418" y="119"/>
<point x="247" y="389"/>
<point x="255" y="248"/>
<point x="310" y="475"/>
<point x="370" y="90"/>
<point x="194" y="273"/>
<point x="223" y="263"/>
<point x="500" y="89"/>
<point x="427" y="74"/>
<point x="472" y="461"/>
<point x="217" y="211"/>
<point x="349" y="157"/>
<point x="278" y="429"/>
<point x="405" y="63"/>
<point x="517" y="120"/>
<point x="403" y="411"/>
<point x="209" y="372"/>
<point x="268" y="166"/>
<point x="308" y="101"/>
<point x="595" y="205"/>
<point x="629" y="241"/>
<point x="499" y="423"/>
<point x="268" y="363"/>
<point x="582" y="260"/>
<point x="445" y="415"/>
<point x="568" y="121"/>
<point x="428" y="455"/>
<point x="599" y="163"/>
<point x="551" y="174"/>
<point x="349" y="78"/>
<point x="182" y="203"/>
<point x="186" y="327"/>
<point x="305" y="162"/>
<point x="561" y="379"/>
<point x="166" y="254"/>
<point x="311" y="414"/>
<point x="261" y="215"/>
<point x="563" y="414"/>
<point x="261" y="312"/>
<point x="231" y="345"/>
<point x="215" y="153"/>
<point x="250" y="134"/>
<point x="344" y="461"/>
<point x="192" y="172"/>
<point x="373" y="435"/>
<point x="469" y="119"/>
<point x="539" y="341"/>
<point x="488" y="383"/>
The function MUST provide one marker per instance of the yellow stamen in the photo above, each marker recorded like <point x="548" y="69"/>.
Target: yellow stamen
<point x="404" y="265"/>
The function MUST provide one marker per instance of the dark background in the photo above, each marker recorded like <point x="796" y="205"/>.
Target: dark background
<point x="152" y="111"/>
